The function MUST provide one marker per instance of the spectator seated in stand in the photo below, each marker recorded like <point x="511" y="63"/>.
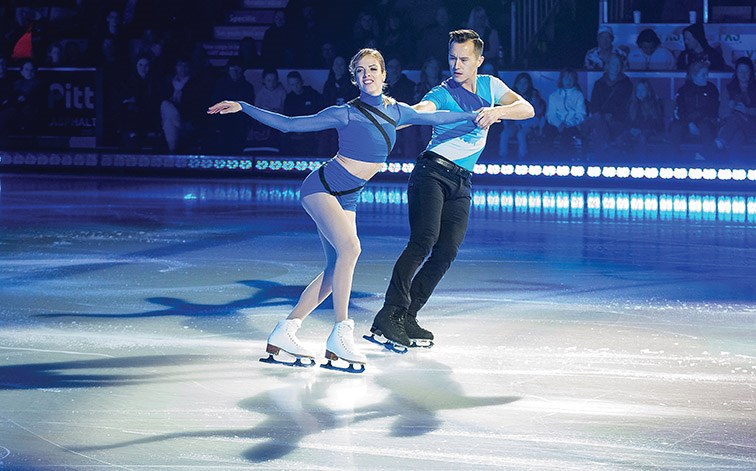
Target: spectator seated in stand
<point x="478" y="22"/>
<point x="402" y="89"/>
<point x="302" y="100"/>
<point x="565" y="111"/>
<point x="650" y="54"/>
<point x="696" y="110"/>
<point x="270" y="97"/>
<point x="740" y="111"/>
<point x="6" y="98"/>
<point x="697" y="49"/>
<point x="596" y="58"/>
<point x="140" y="105"/>
<point x="523" y="86"/>
<point x="29" y="100"/>
<point x="608" y="106"/>
<point x="337" y="90"/>
<point x="179" y="110"/>
<point x="645" y="116"/>
<point x="229" y="133"/>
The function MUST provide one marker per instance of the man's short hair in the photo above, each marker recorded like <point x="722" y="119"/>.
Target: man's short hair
<point x="295" y="75"/>
<point x="463" y="35"/>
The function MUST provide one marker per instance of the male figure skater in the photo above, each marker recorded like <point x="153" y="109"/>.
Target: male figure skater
<point x="439" y="190"/>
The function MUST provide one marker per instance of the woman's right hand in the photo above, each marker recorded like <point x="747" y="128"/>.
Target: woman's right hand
<point x="224" y="107"/>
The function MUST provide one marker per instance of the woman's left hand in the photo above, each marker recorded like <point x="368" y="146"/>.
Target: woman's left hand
<point x="224" y="107"/>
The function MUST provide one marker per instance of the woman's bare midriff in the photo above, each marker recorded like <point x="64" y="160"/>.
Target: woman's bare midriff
<point x="358" y="168"/>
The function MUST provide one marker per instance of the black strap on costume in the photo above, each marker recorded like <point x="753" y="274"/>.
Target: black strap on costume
<point x="368" y="111"/>
<point x="321" y="174"/>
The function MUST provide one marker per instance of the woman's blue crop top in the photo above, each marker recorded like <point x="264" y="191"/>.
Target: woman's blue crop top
<point x="359" y="138"/>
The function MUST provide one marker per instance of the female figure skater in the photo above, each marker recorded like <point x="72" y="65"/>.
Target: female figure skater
<point x="367" y="131"/>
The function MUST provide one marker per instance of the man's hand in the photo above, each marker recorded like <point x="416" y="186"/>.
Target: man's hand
<point x="488" y="116"/>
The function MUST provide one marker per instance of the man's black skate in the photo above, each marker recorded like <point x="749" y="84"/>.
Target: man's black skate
<point x="389" y="324"/>
<point x="418" y="336"/>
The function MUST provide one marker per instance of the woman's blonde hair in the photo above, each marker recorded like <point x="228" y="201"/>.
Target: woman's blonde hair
<point x="382" y="63"/>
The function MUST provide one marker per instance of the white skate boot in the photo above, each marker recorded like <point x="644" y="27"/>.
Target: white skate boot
<point x="340" y="345"/>
<point x="284" y="337"/>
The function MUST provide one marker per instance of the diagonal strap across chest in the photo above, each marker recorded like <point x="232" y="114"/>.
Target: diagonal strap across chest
<point x="370" y="113"/>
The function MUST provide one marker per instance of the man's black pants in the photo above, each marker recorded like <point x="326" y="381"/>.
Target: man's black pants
<point x="439" y="206"/>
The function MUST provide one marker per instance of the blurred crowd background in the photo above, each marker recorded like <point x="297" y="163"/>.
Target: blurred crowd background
<point x="138" y="75"/>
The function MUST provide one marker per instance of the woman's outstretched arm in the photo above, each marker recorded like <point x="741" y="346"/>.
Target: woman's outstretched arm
<point x="331" y="117"/>
<point x="409" y="115"/>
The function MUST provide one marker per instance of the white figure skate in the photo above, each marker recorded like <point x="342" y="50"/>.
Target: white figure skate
<point x="284" y="338"/>
<point x="340" y="346"/>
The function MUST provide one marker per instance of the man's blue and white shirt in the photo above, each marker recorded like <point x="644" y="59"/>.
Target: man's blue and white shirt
<point x="463" y="142"/>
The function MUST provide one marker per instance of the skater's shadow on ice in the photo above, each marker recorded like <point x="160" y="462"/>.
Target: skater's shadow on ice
<point x="420" y="390"/>
<point x="314" y="404"/>
<point x="60" y="374"/>
<point x="227" y="319"/>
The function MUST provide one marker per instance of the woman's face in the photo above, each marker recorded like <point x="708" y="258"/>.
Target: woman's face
<point x="143" y="67"/>
<point x="432" y="70"/>
<point x="270" y="81"/>
<point x="369" y="75"/>
<point x="641" y="92"/>
<point x="522" y="85"/>
<point x="701" y="77"/>
<point x="568" y="81"/>
<point x="743" y="73"/>
<point x="339" y="67"/>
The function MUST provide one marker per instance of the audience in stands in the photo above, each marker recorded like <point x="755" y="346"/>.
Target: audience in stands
<point x="367" y="32"/>
<point x="523" y="86"/>
<point x="430" y="76"/>
<point x="6" y="98"/>
<point x="402" y="89"/>
<point x="739" y="99"/>
<point x="182" y="108"/>
<point x="229" y="133"/>
<point x="478" y="22"/>
<point x="697" y="49"/>
<point x="30" y="99"/>
<point x="301" y="100"/>
<point x="337" y="90"/>
<point x="608" y="106"/>
<point x="270" y="97"/>
<point x="596" y="58"/>
<point x="645" y="116"/>
<point x="696" y="110"/>
<point x="131" y="43"/>
<point x="140" y="105"/>
<point x="650" y="54"/>
<point x="278" y="47"/>
<point x="434" y="38"/>
<point x="396" y="38"/>
<point x="565" y="111"/>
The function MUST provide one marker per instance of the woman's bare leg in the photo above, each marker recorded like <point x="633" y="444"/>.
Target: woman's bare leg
<point x="338" y="232"/>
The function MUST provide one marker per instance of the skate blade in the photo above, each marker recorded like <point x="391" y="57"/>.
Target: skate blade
<point x="388" y="344"/>
<point x="330" y="356"/>
<point x="344" y="369"/>
<point x="422" y="343"/>
<point x="273" y="350"/>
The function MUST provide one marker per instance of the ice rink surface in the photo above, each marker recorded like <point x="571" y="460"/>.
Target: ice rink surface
<point x="577" y="330"/>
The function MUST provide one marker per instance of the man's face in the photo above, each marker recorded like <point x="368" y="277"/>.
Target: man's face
<point x="28" y="71"/>
<point x="143" y="67"/>
<point x="463" y="61"/>
<point x="235" y="73"/>
<point x="295" y="85"/>
<point x="648" y="48"/>
<point x="604" y="40"/>
<point x="270" y="81"/>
